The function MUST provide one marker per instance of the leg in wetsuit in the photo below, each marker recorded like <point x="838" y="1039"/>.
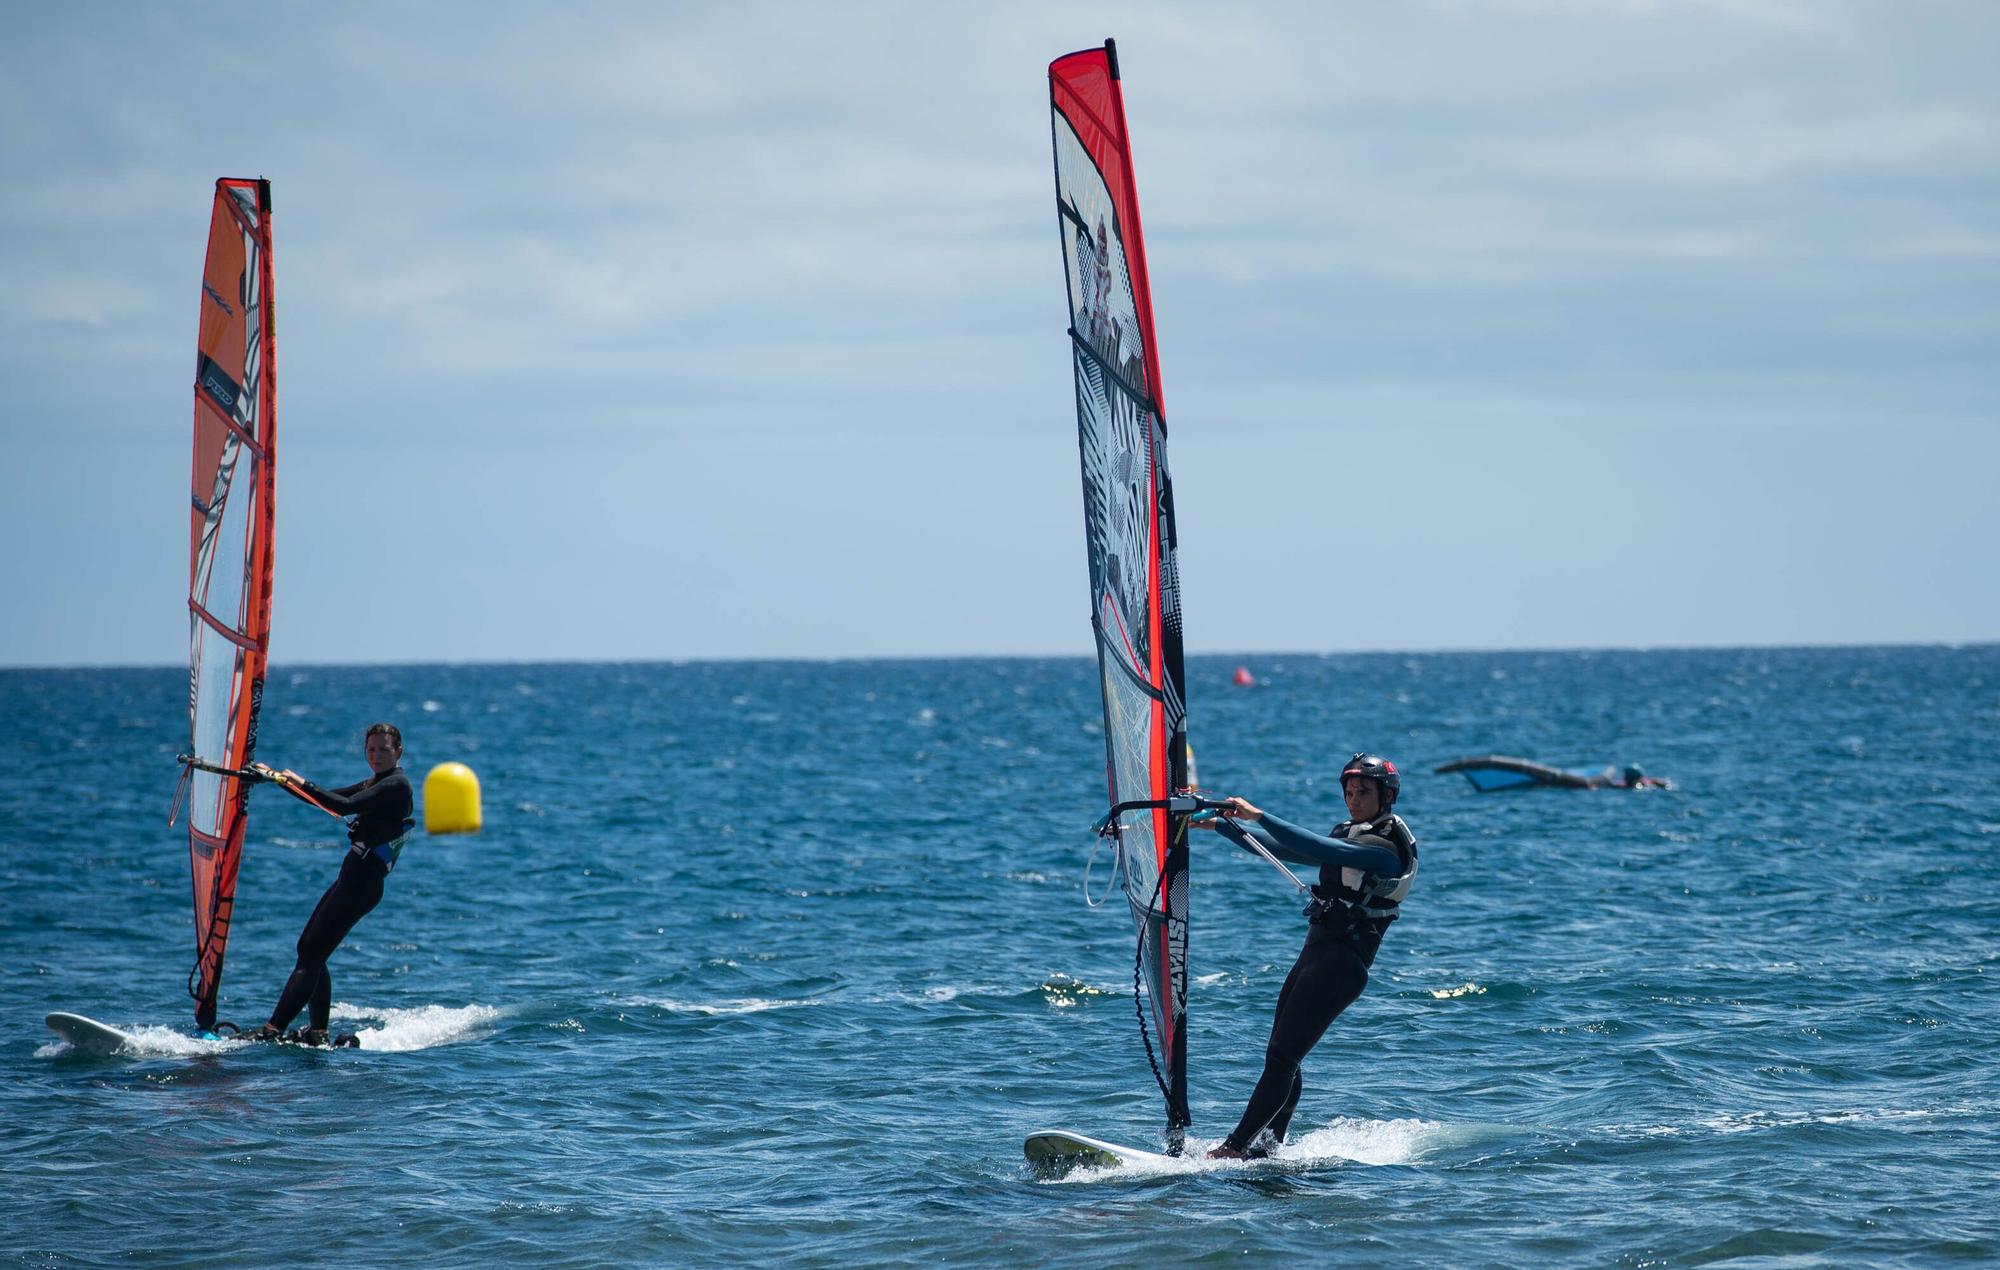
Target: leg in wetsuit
<point x="357" y="890"/>
<point x="1325" y="980"/>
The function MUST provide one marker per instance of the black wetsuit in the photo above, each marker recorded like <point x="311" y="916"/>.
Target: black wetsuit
<point x="380" y="809"/>
<point x="1332" y="968"/>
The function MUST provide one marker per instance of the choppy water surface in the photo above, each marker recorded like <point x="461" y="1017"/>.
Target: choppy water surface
<point x="783" y="961"/>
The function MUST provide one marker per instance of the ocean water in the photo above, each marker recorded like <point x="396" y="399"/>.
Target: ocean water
<point x="782" y="961"/>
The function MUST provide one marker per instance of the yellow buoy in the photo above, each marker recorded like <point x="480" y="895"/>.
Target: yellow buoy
<point x="451" y="799"/>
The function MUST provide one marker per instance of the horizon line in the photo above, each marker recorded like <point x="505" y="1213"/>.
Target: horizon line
<point x="795" y="658"/>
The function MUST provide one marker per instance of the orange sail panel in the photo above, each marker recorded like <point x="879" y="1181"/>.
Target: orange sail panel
<point x="1129" y="531"/>
<point x="229" y="556"/>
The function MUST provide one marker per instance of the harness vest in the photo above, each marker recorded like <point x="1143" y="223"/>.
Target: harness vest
<point x="1366" y="896"/>
<point x="383" y="853"/>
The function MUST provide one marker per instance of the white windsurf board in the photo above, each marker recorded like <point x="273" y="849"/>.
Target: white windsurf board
<point x="1057" y="1151"/>
<point x="88" y="1036"/>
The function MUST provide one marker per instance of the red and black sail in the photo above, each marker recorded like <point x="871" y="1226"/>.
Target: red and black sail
<point x="1129" y="528"/>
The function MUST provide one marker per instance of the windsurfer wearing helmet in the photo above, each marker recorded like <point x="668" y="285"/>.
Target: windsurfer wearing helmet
<point x="1367" y="864"/>
<point x="379" y="821"/>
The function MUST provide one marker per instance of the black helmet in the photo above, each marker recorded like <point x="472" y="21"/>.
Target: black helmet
<point x="1378" y="769"/>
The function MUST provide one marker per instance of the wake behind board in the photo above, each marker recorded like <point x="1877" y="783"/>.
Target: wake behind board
<point x="88" y="1036"/>
<point x="1055" y="1152"/>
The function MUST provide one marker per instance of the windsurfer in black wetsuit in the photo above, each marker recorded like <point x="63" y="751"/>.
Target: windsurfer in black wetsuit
<point x="1366" y="866"/>
<point x="379" y="812"/>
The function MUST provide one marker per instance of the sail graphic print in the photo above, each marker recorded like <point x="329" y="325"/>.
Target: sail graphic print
<point x="1129" y="532"/>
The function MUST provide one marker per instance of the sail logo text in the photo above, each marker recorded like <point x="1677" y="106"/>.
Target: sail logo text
<point x="216" y="296"/>
<point x="220" y="389"/>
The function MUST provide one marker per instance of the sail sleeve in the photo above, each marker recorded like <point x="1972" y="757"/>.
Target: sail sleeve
<point x="229" y="556"/>
<point x="1489" y="772"/>
<point x="1129" y="530"/>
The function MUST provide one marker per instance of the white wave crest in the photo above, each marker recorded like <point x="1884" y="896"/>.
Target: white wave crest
<point x="1725" y="1123"/>
<point x="739" y="1005"/>
<point x="418" y="1029"/>
<point x="1380" y="1141"/>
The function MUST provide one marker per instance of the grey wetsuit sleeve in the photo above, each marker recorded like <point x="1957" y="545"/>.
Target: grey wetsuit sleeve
<point x="1244" y="832"/>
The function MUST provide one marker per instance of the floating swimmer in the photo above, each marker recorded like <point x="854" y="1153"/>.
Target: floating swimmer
<point x="1489" y="772"/>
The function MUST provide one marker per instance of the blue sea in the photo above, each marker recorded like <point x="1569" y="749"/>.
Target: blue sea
<point x="781" y="961"/>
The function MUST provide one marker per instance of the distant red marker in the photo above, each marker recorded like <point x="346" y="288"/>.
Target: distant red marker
<point x="1243" y="678"/>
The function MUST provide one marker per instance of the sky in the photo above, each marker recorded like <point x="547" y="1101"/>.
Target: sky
<point x="669" y="331"/>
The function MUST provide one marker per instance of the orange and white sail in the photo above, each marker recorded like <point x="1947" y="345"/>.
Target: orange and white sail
<point x="229" y="558"/>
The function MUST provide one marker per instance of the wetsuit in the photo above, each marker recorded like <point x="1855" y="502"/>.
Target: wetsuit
<point x="1351" y="907"/>
<point x="379" y="811"/>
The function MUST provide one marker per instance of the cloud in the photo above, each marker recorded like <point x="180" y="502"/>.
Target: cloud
<point x="1735" y="149"/>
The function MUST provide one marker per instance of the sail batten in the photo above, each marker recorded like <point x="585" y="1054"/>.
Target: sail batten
<point x="229" y="558"/>
<point x="222" y="628"/>
<point x="1129" y="531"/>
